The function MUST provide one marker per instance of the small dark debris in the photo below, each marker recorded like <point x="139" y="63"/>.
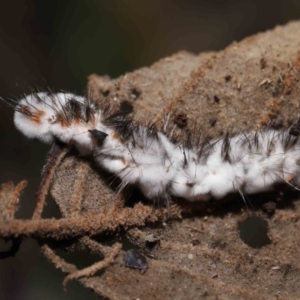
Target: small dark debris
<point x="288" y="91"/>
<point x="228" y="78"/>
<point x="287" y="269"/>
<point x="181" y="120"/>
<point x="134" y="259"/>
<point x="277" y="88"/>
<point x="195" y="242"/>
<point x="212" y="122"/>
<point x="218" y="244"/>
<point x="126" y="107"/>
<point x="216" y="99"/>
<point x="269" y="207"/>
<point x="237" y="268"/>
<point x="277" y="123"/>
<point x="135" y="93"/>
<point x="263" y="63"/>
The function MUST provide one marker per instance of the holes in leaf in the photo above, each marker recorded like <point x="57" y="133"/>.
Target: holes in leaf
<point x="135" y="93"/>
<point x="126" y="107"/>
<point x="105" y="93"/>
<point x="254" y="232"/>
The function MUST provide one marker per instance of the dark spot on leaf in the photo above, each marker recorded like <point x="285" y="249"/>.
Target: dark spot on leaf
<point x="287" y="269"/>
<point x="126" y="107"/>
<point x="263" y="63"/>
<point x="212" y="122"/>
<point x="228" y="78"/>
<point x="218" y="244"/>
<point x="195" y="242"/>
<point x="105" y="93"/>
<point x="134" y="259"/>
<point x="216" y="99"/>
<point x="269" y="207"/>
<point x="277" y="88"/>
<point x="277" y="122"/>
<point x="181" y="120"/>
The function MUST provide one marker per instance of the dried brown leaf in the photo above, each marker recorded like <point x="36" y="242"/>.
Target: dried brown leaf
<point x="199" y="253"/>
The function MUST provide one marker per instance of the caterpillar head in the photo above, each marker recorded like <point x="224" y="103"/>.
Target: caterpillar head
<point x="36" y="113"/>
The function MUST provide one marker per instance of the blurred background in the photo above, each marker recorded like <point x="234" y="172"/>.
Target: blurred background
<point x="58" y="43"/>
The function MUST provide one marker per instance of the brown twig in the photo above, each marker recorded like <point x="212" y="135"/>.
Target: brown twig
<point x="57" y="261"/>
<point x="93" y="246"/>
<point x="56" y="154"/>
<point x="12" y="204"/>
<point x="10" y="198"/>
<point x="88" y="224"/>
<point x="68" y="268"/>
<point x="91" y="270"/>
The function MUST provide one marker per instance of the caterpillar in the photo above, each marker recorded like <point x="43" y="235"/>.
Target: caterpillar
<point x="247" y="163"/>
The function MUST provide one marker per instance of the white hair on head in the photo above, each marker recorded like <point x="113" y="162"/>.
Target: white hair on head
<point x="246" y="163"/>
<point x="36" y="114"/>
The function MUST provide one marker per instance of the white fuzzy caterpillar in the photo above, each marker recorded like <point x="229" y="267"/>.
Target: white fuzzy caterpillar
<point x="246" y="163"/>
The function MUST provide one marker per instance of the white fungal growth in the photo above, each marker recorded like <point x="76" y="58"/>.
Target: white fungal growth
<point x="246" y="163"/>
